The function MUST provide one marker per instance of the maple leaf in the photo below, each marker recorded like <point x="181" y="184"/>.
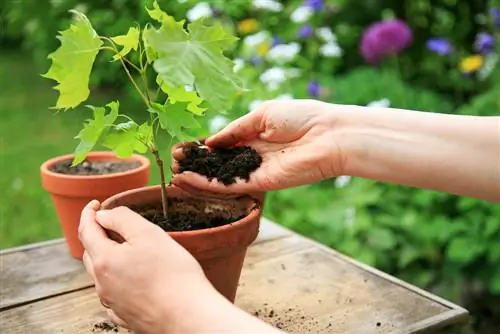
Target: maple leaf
<point x="195" y="58"/>
<point x="130" y="42"/>
<point x="93" y="129"/>
<point x="72" y="62"/>
<point x="175" y="119"/>
<point x="128" y="138"/>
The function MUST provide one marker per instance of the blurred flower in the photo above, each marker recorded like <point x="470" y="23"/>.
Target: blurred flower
<point x="254" y="104"/>
<point x="201" y="9"/>
<point x="330" y="49"/>
<point x="271" y="5"/>
<point x="385" y="38"/>
<point x="484" y="43"/>
<point x="301" y="14"/>
<point x="326" y="34"/>
<point x="471" y="64"/>
<point x="284" y="97"/>
<point x="256" y="39"/>
<point x="256" y="60"/>
<point x="258" y="43"/>
<point x="283" y="53"/>
<point x="489" y="64"/>
<point x="276" y="41"/>
<point x="440" y="46"/>
<point x="238" y="64"/>
<point x="263" y="49"/>
<point x="217" y="123"/>
<point x="314" y="89"/>
<point x="275" y="76"/>
<point x="248" y="26"/>
<point x="495" y="15"/>
<point x="316" y="5"/>
<point x="342" y="181"/>
<point x="382" y="103"/>
<point x="305" y="31"/>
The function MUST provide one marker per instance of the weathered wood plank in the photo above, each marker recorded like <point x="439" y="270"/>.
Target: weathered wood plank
<point x="289" y="284"/>
<point x="45" y="269"/>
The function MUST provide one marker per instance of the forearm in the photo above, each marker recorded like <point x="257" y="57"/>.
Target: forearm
<point x="451" y="153"/>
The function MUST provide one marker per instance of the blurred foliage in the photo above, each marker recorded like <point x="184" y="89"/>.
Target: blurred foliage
<point x="441" y="242"/>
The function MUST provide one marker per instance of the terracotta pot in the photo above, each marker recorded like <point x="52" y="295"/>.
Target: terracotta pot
<point x="70" y="193"/>
<point x="219" y="250"/>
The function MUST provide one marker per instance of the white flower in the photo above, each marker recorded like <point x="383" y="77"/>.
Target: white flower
<point x="218" y="123"/>
<point x="301" y="14"/>
<point x="256" y="39"/>
<point x="275" y="76"/>
<point x="326" y="34"/>
<point x="283" y="53"/>
<point x="383" y="103"/>
<point x="330" y="49"/>
<point x="254" y="104"/>
<point x="238" y="64"/>
<point x="271" y="5"/>
<point x="342" y="181"/>
<point x="284" y="97"/>
<point x="201" y="9"/>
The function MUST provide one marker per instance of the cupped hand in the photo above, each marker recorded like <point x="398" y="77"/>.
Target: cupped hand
<point x="149" y="282"/>
<point x="297" y="139"/>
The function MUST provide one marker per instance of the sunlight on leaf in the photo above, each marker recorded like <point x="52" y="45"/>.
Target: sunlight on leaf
<point x="72" y="62"/>
<point x="93" y="129"/>
<point x="130" y="42"/>
<point x="175" y="118"/>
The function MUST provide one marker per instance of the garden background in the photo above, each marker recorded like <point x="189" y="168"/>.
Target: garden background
<point x="424" y="55"/>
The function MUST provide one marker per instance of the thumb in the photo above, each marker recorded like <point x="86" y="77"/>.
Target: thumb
<point x="125" y="222"/>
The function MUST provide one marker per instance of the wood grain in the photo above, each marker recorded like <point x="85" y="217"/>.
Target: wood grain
<point x="301" y="289"/>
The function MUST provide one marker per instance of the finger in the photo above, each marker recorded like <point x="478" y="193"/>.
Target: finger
<point x="243" y="129"/>
<point x="194" y="182"/>
<point x="175" y="167"/>
<point x="116" y="319"/>
<point x="125" y="222"/>
<point x="92" y="236"/>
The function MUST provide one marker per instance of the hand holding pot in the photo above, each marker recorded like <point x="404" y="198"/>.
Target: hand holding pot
<point x="149" y="282"/>
<point x="297" y="139"/>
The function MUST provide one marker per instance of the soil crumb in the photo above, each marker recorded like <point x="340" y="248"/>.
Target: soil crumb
<point x="288" y="318"/>
<point x="94" y="167"/>
<point x="105" y="326"/>
<point x="223" y="164"/>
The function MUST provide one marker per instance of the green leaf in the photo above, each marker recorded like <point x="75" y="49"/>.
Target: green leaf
<point x="195" y="58"/>
<point x="129" y="138"/>
<point x="495" y="282"/>
<point x="181" y="94"/>
<point x="93" y="129"/>
<point x="156" y="13"/>
<point x="463" y="250"/>
<point x="72" y="62"/>
<point x="175" y="118"/>
<point x="130" y="42"/>
<point x="407" y="255"/>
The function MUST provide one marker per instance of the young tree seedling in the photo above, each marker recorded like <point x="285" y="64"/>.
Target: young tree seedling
<point x="191" y="73"/>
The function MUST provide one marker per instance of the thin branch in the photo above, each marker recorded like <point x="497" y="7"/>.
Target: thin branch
<point x="164" y="198"/>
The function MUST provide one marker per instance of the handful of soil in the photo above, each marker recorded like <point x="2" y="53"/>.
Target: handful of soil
<point x="223" y="164"/>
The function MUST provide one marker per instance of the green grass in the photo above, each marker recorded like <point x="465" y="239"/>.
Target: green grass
<point x="30" y="134"/>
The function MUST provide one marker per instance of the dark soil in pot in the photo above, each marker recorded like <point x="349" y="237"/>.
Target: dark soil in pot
<point x="223" y="164"/>
<point x="94" y="167"/>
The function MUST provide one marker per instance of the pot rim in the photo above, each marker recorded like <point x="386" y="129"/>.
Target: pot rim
<point x="145" y="164"/>
<point x="246" y="220"/>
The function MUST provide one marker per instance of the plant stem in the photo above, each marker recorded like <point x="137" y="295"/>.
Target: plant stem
<point x="164" y="199"/>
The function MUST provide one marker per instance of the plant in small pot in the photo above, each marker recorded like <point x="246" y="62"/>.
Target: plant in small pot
<point x="191" y="75"/>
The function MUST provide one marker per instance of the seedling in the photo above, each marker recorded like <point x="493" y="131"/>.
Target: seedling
<point x="192" y="74"/>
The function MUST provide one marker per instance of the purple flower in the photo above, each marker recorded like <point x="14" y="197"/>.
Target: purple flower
<point x="385" y="38"/>
<point x="316" y="5"/>
<point x="276" y="41"/>
<point x="256" y="60"/>
<point x="305" y="31"/>
<point x="440" y="46"/>
<point x="314" y="89"/>
<point x="495" y="15"/>
<point x="484" y="43"/>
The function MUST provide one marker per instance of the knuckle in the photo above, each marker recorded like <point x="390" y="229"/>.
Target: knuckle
<point x="101" y="267"/>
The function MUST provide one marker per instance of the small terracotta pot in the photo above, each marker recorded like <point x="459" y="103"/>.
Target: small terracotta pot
<point x="219" y="250"/>
<point x="70" y="193"/>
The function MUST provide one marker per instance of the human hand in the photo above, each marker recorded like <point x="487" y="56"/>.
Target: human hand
<point x="149" y="282"/>
<point x="298" y="141"/>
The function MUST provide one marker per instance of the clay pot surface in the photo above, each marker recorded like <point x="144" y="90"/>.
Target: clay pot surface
<point x="219" y="250"/>
<point x="70" y="193"/>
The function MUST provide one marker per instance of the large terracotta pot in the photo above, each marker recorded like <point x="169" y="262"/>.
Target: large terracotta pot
<point x="70" y="193"/>
<point x="219" y="250"/>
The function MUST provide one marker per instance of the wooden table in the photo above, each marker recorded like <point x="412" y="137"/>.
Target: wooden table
<point x="289" y="281"/>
